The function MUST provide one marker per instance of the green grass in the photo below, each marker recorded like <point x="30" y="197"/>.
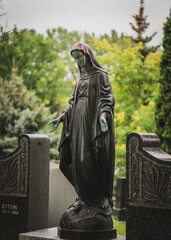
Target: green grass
<point x="120" y="226"/>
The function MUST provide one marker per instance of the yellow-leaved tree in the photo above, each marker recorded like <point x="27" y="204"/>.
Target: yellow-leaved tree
<point x="135" y="85"/>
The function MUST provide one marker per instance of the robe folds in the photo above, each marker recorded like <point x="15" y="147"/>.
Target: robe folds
<point x="87" y="154"/>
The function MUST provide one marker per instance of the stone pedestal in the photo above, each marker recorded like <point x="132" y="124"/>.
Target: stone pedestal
<point x="87" y="234"/>
<point x="50" y="234"/>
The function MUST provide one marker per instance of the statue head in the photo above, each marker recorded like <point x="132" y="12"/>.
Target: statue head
<point x="80" y="58"/>
<point x="85" y="58"/>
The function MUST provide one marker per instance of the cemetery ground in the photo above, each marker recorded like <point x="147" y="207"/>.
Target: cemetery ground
<point x="24" y="197"/>
<point x="120" y="226"/>
<point x="142" y="90"/>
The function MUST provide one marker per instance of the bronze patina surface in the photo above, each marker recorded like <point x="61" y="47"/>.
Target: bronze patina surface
<point x="86" y="148"/>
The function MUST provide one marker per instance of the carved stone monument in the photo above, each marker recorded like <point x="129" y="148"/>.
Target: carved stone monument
<point x="148" y="189"/>
<point x="24" y="187"/>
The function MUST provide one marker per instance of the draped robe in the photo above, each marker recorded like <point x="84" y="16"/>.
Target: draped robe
<point x="91" y="173"/>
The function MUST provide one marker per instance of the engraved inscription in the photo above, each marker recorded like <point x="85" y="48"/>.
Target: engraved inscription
<point x="9" y="209"/>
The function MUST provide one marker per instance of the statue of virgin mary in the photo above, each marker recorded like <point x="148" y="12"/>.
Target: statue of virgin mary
<point x="87" y="148"/>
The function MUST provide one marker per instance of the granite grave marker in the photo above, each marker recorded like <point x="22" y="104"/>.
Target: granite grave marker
<point x="148" y="189"/>
<point x="24" y="187"/>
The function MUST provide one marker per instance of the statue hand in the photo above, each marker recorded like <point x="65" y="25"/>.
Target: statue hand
<point x="103" y="124"/>
<point x="55" y="125"/>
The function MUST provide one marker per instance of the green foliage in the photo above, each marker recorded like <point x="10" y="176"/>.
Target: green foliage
<point x="38" y="62"/>
<point x="135" y="86"/>
<point x="46" y="66"/>
<point x="43" y="62"/>
<point x="163" y="101"/>
<point x="62" y="39"/>
<point x="19" y="113"/>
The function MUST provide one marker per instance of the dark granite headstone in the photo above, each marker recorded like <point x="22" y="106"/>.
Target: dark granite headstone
<point x="24" y="187"/>
<point x="148" y="189"/>
<point x="120" y="205"/>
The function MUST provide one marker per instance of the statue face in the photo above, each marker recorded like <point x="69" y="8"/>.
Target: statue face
<point x="80" y="58"/>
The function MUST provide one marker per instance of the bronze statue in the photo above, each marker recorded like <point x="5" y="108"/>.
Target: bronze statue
<point x="87" y="145"/>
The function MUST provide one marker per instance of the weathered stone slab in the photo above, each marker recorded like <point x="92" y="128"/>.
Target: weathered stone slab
<point x="121" y="192"/>
<point x="61" y="195"/>
<point x="148" y="189"/>
<point x="24" y="187"/>
<point x="49" y="234"/>
<point x="120" y="205"/>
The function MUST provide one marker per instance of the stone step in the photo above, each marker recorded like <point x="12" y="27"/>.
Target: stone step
<point x="47" y="234"/>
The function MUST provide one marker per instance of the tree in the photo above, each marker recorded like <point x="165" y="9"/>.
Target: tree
<point x="39" y="64"/>
<point x="163" y="101"/>
<point x="135" y="85"/>
<point x="141" y="26"/>
<point x="19" y="112"/>
<point x="44" y="63"/>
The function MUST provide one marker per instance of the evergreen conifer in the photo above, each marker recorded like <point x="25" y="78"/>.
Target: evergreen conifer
<point x="163" y="101"/>
<point x="140" y="28"/>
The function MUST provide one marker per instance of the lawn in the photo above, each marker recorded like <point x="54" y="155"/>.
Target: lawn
<point x="120" y="226"/>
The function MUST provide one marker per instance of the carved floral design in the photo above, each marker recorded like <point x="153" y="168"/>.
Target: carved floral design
<point x="134" y="170"/>
<point x="149" y="203"/>
<point x="13" y="171"/>
<point x="149" y="179"/>
<point x="155" y="184"/>
<point x="8" y="175"/>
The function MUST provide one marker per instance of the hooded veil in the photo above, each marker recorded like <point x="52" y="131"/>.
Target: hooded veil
<point x="97" y="164"/>
<point x="84" y="48"/>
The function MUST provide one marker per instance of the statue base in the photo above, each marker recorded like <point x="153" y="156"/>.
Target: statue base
<point x="87" y="234"/>
<point x="83" y="222"/>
